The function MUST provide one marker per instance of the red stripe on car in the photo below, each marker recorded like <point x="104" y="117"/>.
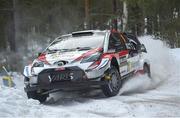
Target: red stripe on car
<point x="117" y="55"/>
<point x="88" y="53"/>
<point x="42" y="58"/>
<point x="123" y="53"/>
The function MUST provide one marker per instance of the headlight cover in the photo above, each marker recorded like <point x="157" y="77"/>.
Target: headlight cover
<point x="91" y="58"/>
<point x="38" y="64"/>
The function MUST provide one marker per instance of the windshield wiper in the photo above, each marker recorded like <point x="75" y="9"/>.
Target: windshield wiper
<point x="68" y="50"/>
<point x="83" y="48"/>
<point x="61" y="50"/>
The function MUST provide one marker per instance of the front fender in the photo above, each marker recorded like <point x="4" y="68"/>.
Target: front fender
<point x="100" y="70"/>
<point x="27" y="71"/>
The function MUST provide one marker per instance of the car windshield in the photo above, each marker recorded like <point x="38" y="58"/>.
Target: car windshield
<point x="81" y="42"/>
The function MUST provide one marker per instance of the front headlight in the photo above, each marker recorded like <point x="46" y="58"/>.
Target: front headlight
<point x="38" y="64"/>
<point x="91" y="58"/>
<point x="33" y="80"/>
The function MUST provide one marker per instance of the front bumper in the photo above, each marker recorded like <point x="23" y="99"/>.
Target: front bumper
<point x="63" y="78"/>
<point x="66" y="86"/>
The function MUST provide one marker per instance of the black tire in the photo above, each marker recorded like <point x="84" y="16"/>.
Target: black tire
<point x="114" y="84"/>
<point x="37" y="96"/>
<point x="147" y="71"/>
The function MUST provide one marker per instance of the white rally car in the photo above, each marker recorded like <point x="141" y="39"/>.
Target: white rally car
<point x="93" y="58"/>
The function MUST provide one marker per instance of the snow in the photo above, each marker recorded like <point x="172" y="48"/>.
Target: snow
<point x="139" y="96"/>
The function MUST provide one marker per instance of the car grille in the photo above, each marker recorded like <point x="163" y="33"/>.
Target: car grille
<point x="63" y="76"/>
<point x="56" y="75"/>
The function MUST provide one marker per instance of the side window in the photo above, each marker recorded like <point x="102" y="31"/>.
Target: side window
<point x="134" y="41"/>
<point x="115" y="42"/>
<point x="133" y="44"/>
<point x="124" y="38"/>
<point x="133" y="48"/>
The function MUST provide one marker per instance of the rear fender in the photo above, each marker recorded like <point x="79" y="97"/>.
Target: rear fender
<point x="142" y="62"/>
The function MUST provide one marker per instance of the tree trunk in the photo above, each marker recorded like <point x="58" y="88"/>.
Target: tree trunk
<point x="114" y="11"/>
<point x="11" y="32"/>
<point x="125" y="15"/>
<point x="86" y="23"/>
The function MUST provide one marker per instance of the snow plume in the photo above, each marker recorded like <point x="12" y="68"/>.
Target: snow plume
<point x="158" y="54"/>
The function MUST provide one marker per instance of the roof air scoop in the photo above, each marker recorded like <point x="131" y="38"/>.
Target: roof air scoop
<point x="78" y="34"/>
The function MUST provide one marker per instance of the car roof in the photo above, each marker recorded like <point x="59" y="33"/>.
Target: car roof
<point x="85" y="33"/>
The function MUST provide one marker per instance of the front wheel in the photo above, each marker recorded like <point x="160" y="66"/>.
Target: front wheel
<point x="114" y="82"/>
<point x="37" y="96"/>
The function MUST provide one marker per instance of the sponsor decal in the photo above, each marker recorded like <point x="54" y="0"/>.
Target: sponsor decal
<point x="129" y="66"/>
<point x="123" y="64"/>
<point x="123" y="70"/>
<point x="55" y="55"/>
<point x="123" y="61"/>
<point x="135" y="64"/>
<point x="58" y="77"/>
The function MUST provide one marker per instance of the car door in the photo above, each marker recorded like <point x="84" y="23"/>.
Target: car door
<point x="133" y="54"/>
<point x="117" y="43"/>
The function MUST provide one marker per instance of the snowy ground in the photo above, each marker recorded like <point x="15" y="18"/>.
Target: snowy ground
<point x="139" y="96"/>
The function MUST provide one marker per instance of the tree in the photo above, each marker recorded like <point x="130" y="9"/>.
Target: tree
<point x="8" y="8"/>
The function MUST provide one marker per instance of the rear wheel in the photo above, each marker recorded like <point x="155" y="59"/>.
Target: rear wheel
<point x="37" y="96"/>
<point x="146" y="70"/>
<point x="114" y="82"/>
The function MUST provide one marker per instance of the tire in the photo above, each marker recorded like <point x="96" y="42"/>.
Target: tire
<point x="37" y="96"/>
<point x="114" y="84"/>
<point x="147" y="71"/>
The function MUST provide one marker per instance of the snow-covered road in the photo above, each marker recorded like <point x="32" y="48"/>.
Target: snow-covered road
<point x="139" y="96"/>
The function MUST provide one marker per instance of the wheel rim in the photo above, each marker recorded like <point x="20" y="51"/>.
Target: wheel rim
<point x="145" y="69"/>
<point x="113" y="83"/>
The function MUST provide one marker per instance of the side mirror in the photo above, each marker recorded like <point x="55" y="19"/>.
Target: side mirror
<point x="143" y="48"/>
<point x="128" y="46"/>
<point x="39" y="53"/>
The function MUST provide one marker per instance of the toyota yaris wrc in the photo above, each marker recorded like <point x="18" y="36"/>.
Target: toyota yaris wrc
<point x="86" y="59"/>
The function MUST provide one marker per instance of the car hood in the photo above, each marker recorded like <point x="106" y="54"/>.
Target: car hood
<point x="61" y="56"/>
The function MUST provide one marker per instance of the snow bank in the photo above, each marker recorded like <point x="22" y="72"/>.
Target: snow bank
<point x="14" y="103"/>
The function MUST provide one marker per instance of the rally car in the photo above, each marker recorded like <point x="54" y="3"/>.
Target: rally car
<point x="86" y="59"/>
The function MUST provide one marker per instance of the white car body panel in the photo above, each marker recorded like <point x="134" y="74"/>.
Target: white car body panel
<point x="133" y="63"/>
